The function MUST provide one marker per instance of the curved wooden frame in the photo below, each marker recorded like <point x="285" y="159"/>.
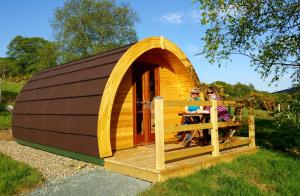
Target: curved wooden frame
<point x="124" y="63"/>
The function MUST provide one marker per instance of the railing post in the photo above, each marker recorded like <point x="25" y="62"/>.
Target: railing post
<point x="214" y="130"/>
<point x="159" y="133"/>
<point x="251" y="126"/>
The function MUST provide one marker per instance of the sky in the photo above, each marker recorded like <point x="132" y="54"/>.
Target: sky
<point x="177" y="20"/>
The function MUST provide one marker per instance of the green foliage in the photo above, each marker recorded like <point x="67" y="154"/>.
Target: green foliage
<point x="8" y="67"/>
<point x="265" y="31"/>
<point x="264" y="173"/>
<point x="85" y="27"/>
<point x="16" y="177"/>
<point x="45" y="58"/>
<point x="290" y="117"/>
<point x="263" y="100"/>
<point x="31" y="54"/>
<point x="285" y="137"/>
<point x="236" y="91"/>
<point x="287" y="119"/>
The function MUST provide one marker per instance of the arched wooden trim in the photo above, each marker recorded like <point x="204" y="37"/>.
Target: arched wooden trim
<point x="104" y="117"/>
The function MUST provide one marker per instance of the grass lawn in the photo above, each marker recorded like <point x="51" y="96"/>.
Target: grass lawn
<point x="267" y="172"/>
<point x="5" y="120"/>
<point x="263" y="173"/>
<point x="16" y="177"/>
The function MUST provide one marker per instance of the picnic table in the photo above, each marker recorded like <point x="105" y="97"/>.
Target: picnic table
<point x="203" y="115"/>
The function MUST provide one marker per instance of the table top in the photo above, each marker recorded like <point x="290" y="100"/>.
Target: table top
<point x="193" y="114"/>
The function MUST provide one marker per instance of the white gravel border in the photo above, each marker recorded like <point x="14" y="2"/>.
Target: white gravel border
<point x="51" y="166"/>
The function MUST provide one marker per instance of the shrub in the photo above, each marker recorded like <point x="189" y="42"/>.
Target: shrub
<point x="289" y="118"/>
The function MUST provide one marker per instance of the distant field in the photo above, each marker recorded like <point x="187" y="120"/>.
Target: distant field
<point x="9" y="92"/>
<point x="262" y="114"/>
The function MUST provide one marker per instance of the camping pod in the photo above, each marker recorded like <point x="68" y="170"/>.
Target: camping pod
<point x="97" y="105"/>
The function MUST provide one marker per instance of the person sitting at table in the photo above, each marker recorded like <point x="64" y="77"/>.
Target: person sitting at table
<point x="212" y="94"/>
<point x="191" y="110"/>
<point x="223" y="114"/>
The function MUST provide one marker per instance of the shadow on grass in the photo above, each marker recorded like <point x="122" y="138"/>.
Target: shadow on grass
<point x="267" y="135"/>
<point x="5" y="113"/>
<point x="9" y="96"/>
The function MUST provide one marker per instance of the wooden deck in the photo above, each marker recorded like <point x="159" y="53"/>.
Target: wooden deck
<point x="139" y="162"/>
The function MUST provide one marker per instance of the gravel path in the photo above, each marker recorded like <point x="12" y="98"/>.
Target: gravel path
<point x="65" y="176"/>
<point x="98" y="182"/>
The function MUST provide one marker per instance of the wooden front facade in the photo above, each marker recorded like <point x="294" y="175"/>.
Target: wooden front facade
<point x="134" y="97"/>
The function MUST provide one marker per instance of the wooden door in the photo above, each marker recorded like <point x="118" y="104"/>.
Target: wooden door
<point x="145" y="88"/>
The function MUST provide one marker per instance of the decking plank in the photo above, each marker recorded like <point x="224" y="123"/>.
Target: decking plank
<point x="139" y="162"/>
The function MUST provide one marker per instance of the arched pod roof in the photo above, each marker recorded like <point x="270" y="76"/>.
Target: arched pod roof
<point x="59" y="106"/>
<point x="69" y="106"/>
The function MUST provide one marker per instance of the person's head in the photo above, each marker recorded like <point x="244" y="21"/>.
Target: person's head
<point x="195" y="92"/>
<point x="211" y="93"/>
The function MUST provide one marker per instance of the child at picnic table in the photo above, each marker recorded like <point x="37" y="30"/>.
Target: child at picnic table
<point x="191" y="110"/>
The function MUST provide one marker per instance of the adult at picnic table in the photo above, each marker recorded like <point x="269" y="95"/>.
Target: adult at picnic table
<point x="223" y="114"/>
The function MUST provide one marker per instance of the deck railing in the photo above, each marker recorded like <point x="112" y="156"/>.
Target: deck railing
<point x="160" y="130"/>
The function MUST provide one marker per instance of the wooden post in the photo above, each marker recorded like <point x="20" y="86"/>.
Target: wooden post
<point x="214" y="130"/>
<point x="159" y="133"/>
<point x="251" y="126"/>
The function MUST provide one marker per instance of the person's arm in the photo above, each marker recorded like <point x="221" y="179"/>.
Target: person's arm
<point x="186" y="109"/>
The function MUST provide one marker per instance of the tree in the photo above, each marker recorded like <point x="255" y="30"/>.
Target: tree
<point x="227" y="88"/>
<point x="31" y="54"/>
<point x="47" y="56"/>
<point x="85" y="27"/>
<point x="7" y="67"/>
<point x="268" y="32"/>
